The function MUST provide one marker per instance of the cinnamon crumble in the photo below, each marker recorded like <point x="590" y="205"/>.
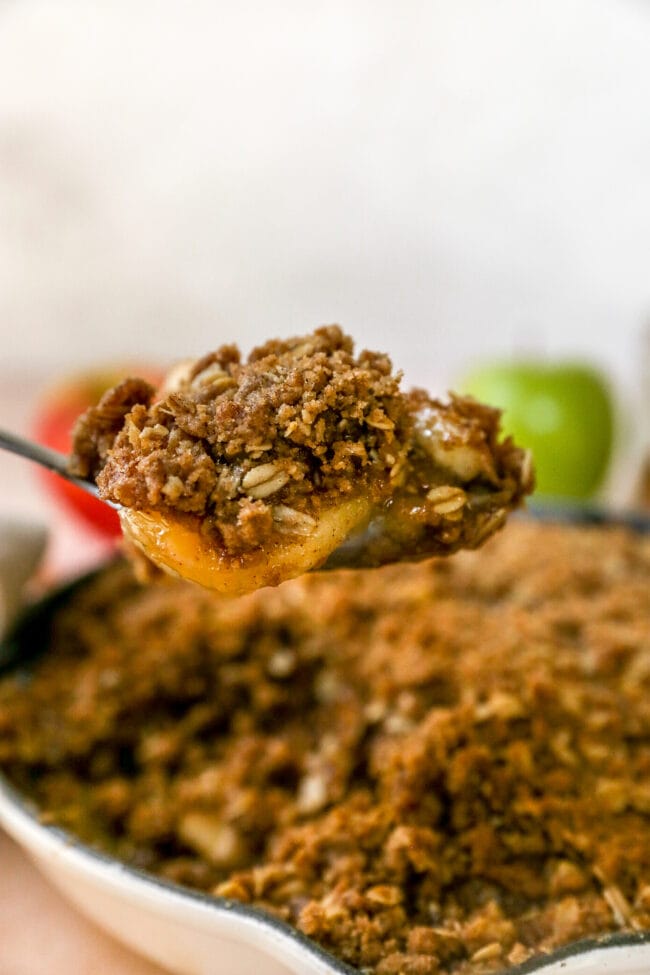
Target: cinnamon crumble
<point x="428" y="769"/>
<point x="294" y="451"/>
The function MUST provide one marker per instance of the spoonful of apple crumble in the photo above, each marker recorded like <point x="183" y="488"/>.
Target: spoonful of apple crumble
<point x="239" y="474"/>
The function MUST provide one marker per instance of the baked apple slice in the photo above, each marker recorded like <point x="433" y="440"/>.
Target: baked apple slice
<point x="238" y="475"/>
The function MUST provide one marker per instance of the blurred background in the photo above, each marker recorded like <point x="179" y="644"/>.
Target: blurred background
<point x="460" y="184"/>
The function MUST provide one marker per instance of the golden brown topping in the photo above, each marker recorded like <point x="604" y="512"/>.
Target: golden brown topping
<point x="304" y="440"/>
<point x="299" y="425"/>
<point x="438" y="767"/>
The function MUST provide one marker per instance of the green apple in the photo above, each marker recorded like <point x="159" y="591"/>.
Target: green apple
<point x="561" y="411"/>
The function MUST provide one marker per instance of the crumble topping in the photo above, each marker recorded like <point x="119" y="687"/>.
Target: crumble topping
<point x="245" y="444"/>
<point x="428" y="769"/>
<point x="255" y="450"/>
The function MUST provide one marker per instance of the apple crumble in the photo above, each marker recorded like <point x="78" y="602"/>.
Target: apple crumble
<point x="244" y="473"/>
<point x="431" y="768"/>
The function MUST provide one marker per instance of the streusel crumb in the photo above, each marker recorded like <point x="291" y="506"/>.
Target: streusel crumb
<point x="434" y="768"/>
<point x="253" y="452"/>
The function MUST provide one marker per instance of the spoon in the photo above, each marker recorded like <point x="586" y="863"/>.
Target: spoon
<point x="52" y="460"/>
<point x="177" y="548"/>
<point x="352" y="533"/>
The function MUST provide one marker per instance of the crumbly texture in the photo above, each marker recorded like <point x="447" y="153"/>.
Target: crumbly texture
<point x="300" y="423"/>
<point x="254" y="450"/>
<point x="438" y="768"/>
<point x="457" y="484"/>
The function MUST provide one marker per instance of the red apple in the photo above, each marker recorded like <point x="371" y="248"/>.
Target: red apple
<point x="53" y="421"/>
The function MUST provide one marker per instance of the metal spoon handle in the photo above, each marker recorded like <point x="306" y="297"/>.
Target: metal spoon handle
<point x="51" y="459"/>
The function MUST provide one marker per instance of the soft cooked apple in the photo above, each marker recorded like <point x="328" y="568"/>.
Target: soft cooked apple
<point x="243" y="474"/>
<point x="175" y="543"/>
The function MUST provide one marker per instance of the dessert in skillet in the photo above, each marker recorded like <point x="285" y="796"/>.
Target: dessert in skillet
<point x="240" y="474"/>
<point x="432" y="769"/>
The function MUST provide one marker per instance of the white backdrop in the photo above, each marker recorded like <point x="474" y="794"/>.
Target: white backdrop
<point x="440" y="177"/>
